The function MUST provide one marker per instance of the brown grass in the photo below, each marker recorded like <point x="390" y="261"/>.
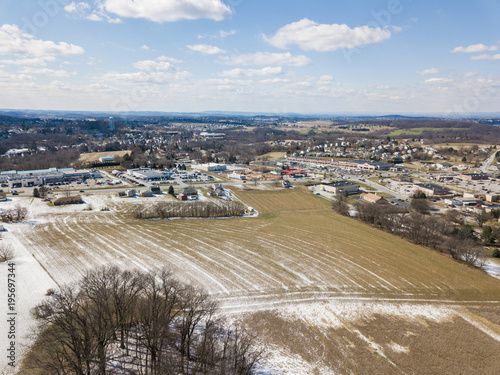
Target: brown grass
<point x="448" y="347"/>
<point x="94" y="156"/>
<point x="296" y="250"/>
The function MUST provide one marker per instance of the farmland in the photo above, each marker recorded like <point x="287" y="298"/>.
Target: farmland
<point x="358" y="297"/>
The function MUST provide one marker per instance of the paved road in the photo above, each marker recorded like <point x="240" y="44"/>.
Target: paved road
<point x="487" y="163"/>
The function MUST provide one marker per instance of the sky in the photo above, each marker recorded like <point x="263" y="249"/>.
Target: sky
<point x="273" y="56"/>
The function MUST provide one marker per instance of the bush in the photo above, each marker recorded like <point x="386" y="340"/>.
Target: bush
<point x="495" y="253"/>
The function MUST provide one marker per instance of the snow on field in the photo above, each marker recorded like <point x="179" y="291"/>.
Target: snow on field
<point x="335" y="314"/>
<point x="281" y="362"/>
<point x="31" y="284"/>
<point x="247" y="267"/>
<point x="492" y="268"/>
<point x="344" y="315"/>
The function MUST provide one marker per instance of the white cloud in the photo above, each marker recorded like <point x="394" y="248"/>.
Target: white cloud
<point x="15" y="42"/>
<point x="145" y="47"/>
<point x="274" y="81"/>
<point x="36" y="61"/>
<point x="475" y="48"/>
<point x="206" y="49"/>
<point x="267" y="71"/>
<point x="14" y="78"/>
<point x="83" y="10"/>
<point x="143" y="77"/>
<point x="325" y="80"/>
<point x="435" y="81"/>
<point x="267" y="58"/>
<point x="470" y="74"/>
<point x="149" y="65"/>
<point x="309" y="35"/>
<point x="428" y="71"/>
<point x="76" y="7"/>
<point x="169" y="10"/>
<point x="484" y="56"/>
<point x="94" y="17"/>
<point x="45" y="71"/>
<point x="171" y="59"/>
<point x="224" y="33"/>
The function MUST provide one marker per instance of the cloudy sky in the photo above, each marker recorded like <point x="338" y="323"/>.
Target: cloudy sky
<point x="273" y="56"/>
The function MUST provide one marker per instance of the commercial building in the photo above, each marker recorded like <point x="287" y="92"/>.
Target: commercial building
<point x="337" y="187"/>
<point x="430" y="189"/>
<point x="16" y="179"/>
<point x="148" y="174"/>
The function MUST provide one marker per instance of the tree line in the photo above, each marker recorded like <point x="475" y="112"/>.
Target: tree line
<point x="165" y="210"/>
<point x="440" y="233"/>
<point x="17" y="213"/>
<point x="128" y="322"/>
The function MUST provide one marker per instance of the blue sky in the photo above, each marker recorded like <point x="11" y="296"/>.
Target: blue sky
<point x="321" y="56"/>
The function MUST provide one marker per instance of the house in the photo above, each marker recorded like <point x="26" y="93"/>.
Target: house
<point x="130" y="192"/>
<point x="67" y="200"/>
<point x="146" y="193"/>
<point x="190" y="191"/>
<point x="373" y="198"/>
<point x="155" y="190"/>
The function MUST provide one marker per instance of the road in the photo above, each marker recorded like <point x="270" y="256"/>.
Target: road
<point x="487" y="163"/>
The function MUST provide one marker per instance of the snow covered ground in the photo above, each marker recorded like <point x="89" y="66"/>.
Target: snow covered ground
<point x="492" y="267"/>
<point x="33" y="281"/>
<point x="31" y="284"/>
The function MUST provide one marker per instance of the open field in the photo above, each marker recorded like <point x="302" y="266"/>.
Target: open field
<point x="326" y="293"/>
<point x="271" y="156"/>
<point x="418" y="131"/>
<point x="94" y="156"/>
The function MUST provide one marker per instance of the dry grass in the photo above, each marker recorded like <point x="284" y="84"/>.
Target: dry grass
<point x="271" y="156"/>
<point x="297" y="250"/>
<point x="383" y="344"/>
<point x="94" y="156"/>
<point x="297" y="244"/>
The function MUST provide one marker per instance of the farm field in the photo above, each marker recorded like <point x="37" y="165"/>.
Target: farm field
<point x="326" y="293"/>
<point x="94" y="156"/>
<point x="417" y="131"/>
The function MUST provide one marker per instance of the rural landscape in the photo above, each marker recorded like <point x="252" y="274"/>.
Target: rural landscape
<point x="318" y="290"/>
<point x="234" y="187"/>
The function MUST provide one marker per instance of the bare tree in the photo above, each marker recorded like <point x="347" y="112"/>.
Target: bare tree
<point x="454" y="216"/>
<point x="96" y="288"/>
<point x="6" y="252"/>
<point x="482" y="217"/>
<point x="160" y="305"/>
<point x="420" y="205"/>
<point x="340" y="205"/>
<point x="175" y="329"/>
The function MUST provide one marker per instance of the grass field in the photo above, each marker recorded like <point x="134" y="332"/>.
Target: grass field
<point x="94" y="156"/>
<point x="326" y="293"/>
<point x="418" y="131"/>
<point x="271" y="156"/>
